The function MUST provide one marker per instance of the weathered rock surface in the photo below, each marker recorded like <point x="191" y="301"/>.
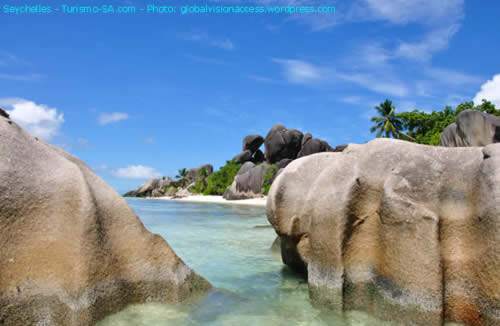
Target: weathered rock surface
<point x="281" y="143"/>
<point x="73" y="251"/>
<point x="245" y="156"/>
<point x="247" y="184"/>
<point x="246" y="167"/>
<point x="193" y="173"/>
<point x="312" y="145"/>
<point x="157" y="193"/>
<point x="151" y="186"/>
<point x="283" y="163"/>
<point x="3" y="113"/>
<point x="339" y="148"/>
<point x="472" y="128"/>
<point x="408" y="233"/>
<point x="276" y="246"/>
<point x="252" y="143"/>
<point x="171" y="192"/>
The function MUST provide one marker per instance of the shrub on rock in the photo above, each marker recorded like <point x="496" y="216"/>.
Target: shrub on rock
<point x="220" y="180"/>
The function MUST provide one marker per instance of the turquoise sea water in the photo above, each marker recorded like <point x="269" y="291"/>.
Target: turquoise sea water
<point x="230" y="247"/>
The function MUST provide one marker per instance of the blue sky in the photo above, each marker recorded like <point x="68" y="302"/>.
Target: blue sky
<point x="136" y="96"/>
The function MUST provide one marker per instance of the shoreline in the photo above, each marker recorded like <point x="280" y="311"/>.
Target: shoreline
<point x="210" y="199"/>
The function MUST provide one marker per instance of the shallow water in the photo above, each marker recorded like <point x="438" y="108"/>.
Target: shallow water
<point x="224" y="244"/>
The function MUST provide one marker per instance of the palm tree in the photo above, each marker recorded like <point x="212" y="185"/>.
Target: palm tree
<point x="388" y="124"/>
<point x="182" y="173"/>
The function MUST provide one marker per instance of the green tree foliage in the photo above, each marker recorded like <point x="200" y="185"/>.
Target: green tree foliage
<point x="200" y="182"/>
<point x="387" y="124"/>
<point x="426" y="128"/>
<point x="218" y="181"/>
<point x="181" y="173"/>
<point x="268" y="178"/>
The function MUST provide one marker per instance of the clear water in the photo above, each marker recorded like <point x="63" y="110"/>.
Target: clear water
<point x="229" y="246"/>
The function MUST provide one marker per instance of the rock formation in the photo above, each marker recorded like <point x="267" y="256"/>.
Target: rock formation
<point x="408" y="233"/>
<point x="472" y="128"/>
<point x="283" y="163"/>
<point x="73" y="251"/>
<point x="312" y="145"/>
<point x="247" y="183"/>
<point x="245" y="156"/>
<point x="193" y="173"/>
<point x="282" y="143"/>
<point x="258" y="157"/>
<point x="168" y="187"/>
<point x="252" y="143"/>
<point x="151" y="188"/>
<point x="3" y="113"/>
<point x="282" y="146"/>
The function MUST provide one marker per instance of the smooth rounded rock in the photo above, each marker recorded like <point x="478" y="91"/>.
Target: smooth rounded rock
<point x="408" y="233"/>
<point x="73" y="251"/>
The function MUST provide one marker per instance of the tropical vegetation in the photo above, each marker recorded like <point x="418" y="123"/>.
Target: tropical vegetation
<point x="218" y="181"/>
<point x="420" y="126"/>
<point x="268" y="178"/>
<point x="181" y="173"/>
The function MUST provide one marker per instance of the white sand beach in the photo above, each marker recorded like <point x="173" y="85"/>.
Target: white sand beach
<point x="259" y="202"/>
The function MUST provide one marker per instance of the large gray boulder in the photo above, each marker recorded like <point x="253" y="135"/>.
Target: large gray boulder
<point x="247" y="184"/>
<point x="405" y="232"/>
<point x="171" y="192"/>
<point x="252" y="143"/>
<point x="312" y="145"/>
<point x="3" y="113"/>
<point x="472" y="128"/>
<point x="193" y="173"/>
<point x="151" y="188"/>
<point x="283" y="163"/>
<point x="243" y="157"/>
<point x="281" y="143"/>
<point x="73" y="251"/>
<point x="246" y="167"/>
<point x="339" y="148"/>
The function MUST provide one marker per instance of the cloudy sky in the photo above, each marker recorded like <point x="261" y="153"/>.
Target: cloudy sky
<point x="137" y="96"/>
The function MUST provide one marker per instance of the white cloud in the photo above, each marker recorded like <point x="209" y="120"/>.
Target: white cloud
<point x="299" y="72"/>
<point x="455" y="99"/>
<point x="374" y="54"/>
<point x="225" y="44"/>
<point x="9" y="59"/>
<point x="215" y="112"/>
<point x="406" y="106"/>
<point x="440" y="20"/>
<point x="490" y="91"/>
<point x="302" y="72"/>
<point x="107" y="118"/>
<point x="371" y="82"/>
<point x="136" y="172"/>
<point x="262" y="79"/>
<point x="435" y="41"/>
<point x="82" y="142"/>
<point x="29" y="77"/>
<point x="202" y="37"/>
<point x="451" y="77"/>
<point x="102" y="168"/>
<point x="352" y="99"/>
<point x="150" y="140"/>
<point x="407" y="11"/>
<point x="38" y="119"/>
